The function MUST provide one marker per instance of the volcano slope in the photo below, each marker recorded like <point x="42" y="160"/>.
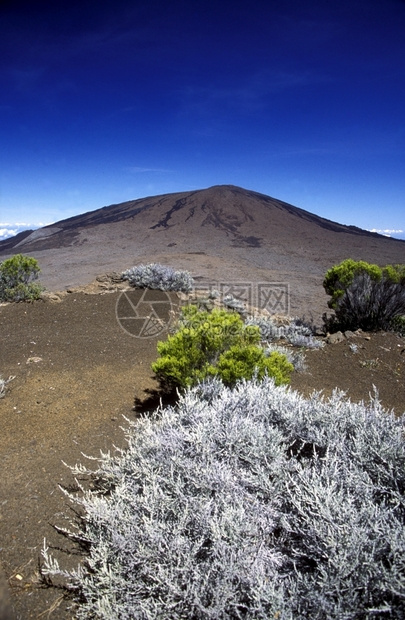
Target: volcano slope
<point x="222" y="235"/>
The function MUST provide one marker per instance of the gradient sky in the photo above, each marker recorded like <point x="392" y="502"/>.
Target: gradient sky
<point x="103" y="102"/>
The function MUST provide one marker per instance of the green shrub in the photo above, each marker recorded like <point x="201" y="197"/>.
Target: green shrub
<point x="398" y="325"/>
<point x="17" y="275"/>
<point x="216" y="343"/>
<point x="364" y="295"/>
<point x="249" y="360"/>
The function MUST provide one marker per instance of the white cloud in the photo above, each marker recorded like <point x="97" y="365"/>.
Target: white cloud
<point x="7" y="232"/>
<point x="21" y="225"/>
<point x="389" y="232"/>
<point x="386" y="231"/>
<point x="10" y="230"/>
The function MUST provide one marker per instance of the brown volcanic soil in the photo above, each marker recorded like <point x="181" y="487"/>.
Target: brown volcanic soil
<point x="72" y="401"/>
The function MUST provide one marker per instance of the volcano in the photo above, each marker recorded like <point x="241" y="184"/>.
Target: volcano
<point x="220" y="234"/>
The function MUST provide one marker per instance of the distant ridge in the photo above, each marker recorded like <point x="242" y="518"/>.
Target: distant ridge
<point x="223" y="233"/>
<point x="11" y="242"/>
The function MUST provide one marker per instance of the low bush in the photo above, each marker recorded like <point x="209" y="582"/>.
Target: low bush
<point x="269" y="329"/>
<point x="295" y="331"/>
<point x="216" y="343"/>
<point x="229" y="301"/>
<point x="250" y="503"/>
<point x="398" y="325"/>
<point x="365" y="296"/>
<point x="296" y="357"/>
<point x="3" y="385"/>
<point x="245" y="362"/>
<point x="17" y="279"/>
<point x="157" y="276"/>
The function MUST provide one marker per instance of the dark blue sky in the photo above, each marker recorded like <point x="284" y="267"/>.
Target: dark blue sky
<point x="103" y="102"/>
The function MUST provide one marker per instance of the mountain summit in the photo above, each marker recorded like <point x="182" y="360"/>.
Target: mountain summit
<point x="223" y="233"/>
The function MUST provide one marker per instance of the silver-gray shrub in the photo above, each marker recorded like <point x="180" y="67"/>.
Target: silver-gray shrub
<point x="251" y="503"/>
<point x="3" y="385"/>
<point x="294" y="356"/>
<point x="294" y="331"/>
<point x="301" y="340"/>
<point x="269" y="330"/>
<point x="157" y="276"/>
<point x="230" y="301"/>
